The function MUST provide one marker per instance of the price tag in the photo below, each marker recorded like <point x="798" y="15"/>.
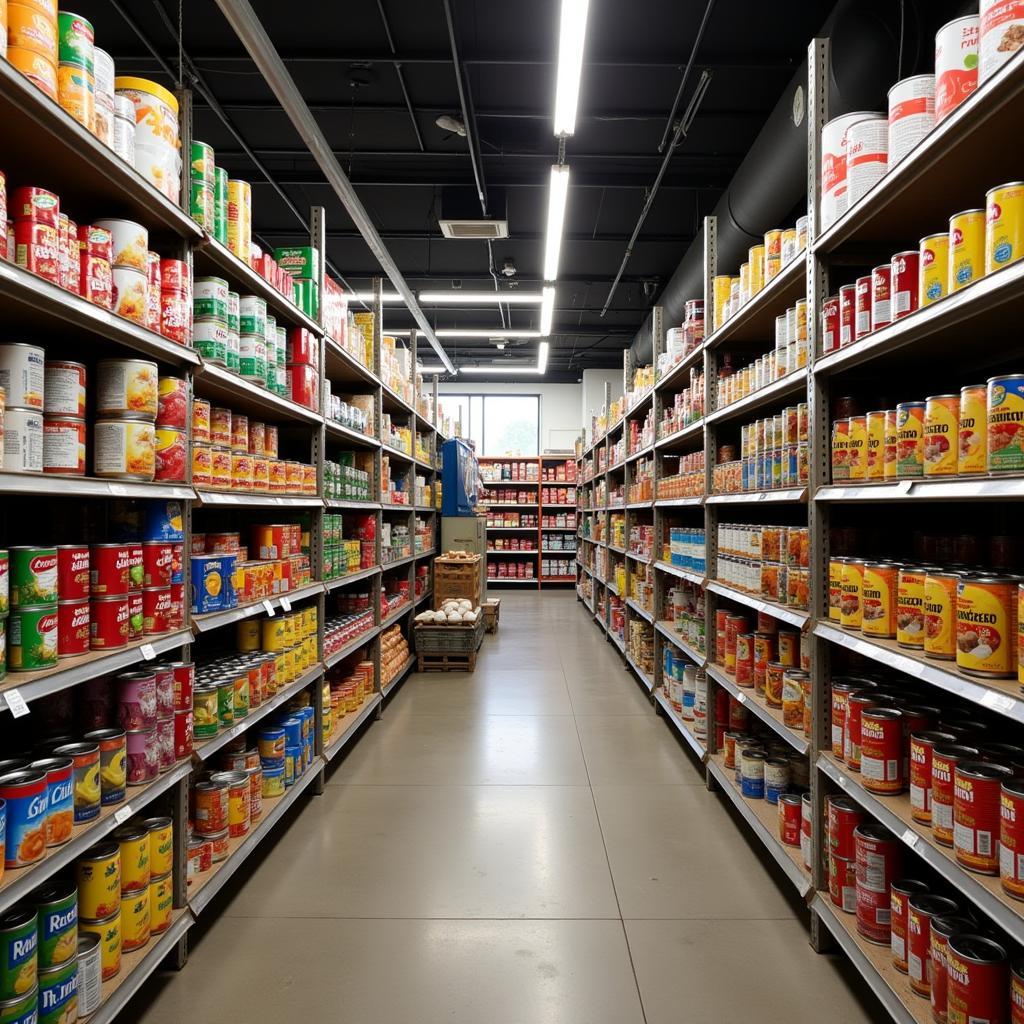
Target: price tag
<point x="17" y="704"/>
<point x="904" y="486"/>
<point x="118" y="489"/>
<point x="234" y="732"/>
<point x="842" y="780"/>
<point x="122" y="814"/>
<point x="148" y="652"/>
<point x="741" y="697"/>
<point x="269" y="608"/>
<point x="763" y="496"/>
<point x="286" y="604"/>
<point x="911" y="838"/>
<point x="997" y="701"/>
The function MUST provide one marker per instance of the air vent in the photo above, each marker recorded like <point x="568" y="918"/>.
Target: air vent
<point x="474" y="229"/>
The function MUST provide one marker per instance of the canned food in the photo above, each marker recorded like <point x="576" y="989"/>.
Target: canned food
<point x="34" y="632"/>
<point x="64" y="446"/>
<point x="22" y="441"/>
<point x="972" y="430"/>
<point x="90" y="974"/>
<point x="87" y="790"/>
<point x="127" y="387"/>
<point x="113" y="759"/>
<point x="1004" y="225"/>
<point x="986" y="625"/>
<point x="879" y="863"/>
<point x="58" y="992"/>
<point x="881" y="751"/>
<point x="852" y="584"/>
<point x="879" y="598"/>
<point x="108" y="932"/>
<point x="135" y="925"/>
<point x="945" y="758"/>
<point x="933" y="272"/>
<point x="1011" y="837"/>
<point x="940" y="614"/>
<point x="1005" y="421"/>
<point x="966" y="248"/>
<point x="33" y="574"/>
<point x="19" y="949"/>
<point x="64" y="388"/>
<point x="210" y="299"/>
<point x="133" y="842"/>
<point x="161" y="904"/>
<point x="922" y="744"/>
<point x="976" y="815"/>
<point x="910" y="440"/>
<point x="56" y="904"/>
<point x="59" y="798"/>
<point x="900" y="893"/>
<point x="941" y="431"/>
<point x="124" y="449"/>
<point x="143" y="757"/>
<point x="978" y="979"/>
<point x="109" y="623"/>
<point x="923" y="909"/>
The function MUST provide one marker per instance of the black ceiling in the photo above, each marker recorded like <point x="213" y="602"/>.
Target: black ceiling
<point x="400" y="53"/>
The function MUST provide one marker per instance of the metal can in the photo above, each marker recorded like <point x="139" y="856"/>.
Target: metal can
<point x="90" y="974"/>
<point x="108" y="932"/>
<point x="23" y="441"/>
<point x="881" y="296"/>
<point x="238" y="801"/>
<point x="59" y="798"/>
<point x="210" y="299"/>
<point x="847" y="314"/>
<point x="856" y="704"/>
<point x="110" y="569"/>
<point x="1004" y="225"/>
<point x="211" y="340"/>
<point x="933" y="268"/>
<point x="879" y="598"/>
<point x="1011" y="837"/>
<point x="851" y="608"/>
<point x="72" y="628"/>
<point x="99" y="882"/>
<point x="133" y="842"/>
<point x="161" y="903"/>
<point x="156" y="610"/>
<point x="789" y="819"/>
<point x="113" y="759"/>
<point x="108" y="623"/>
<point x="58" y="992"/>
<point x="87" y="789"/>
<point x="840" y="694"/>
<point x="890" y="454"/>
<point x="19" y="946"/>
<point x="211" y="807"/>
<point x="879" y="861"/>
<point x="986" y="625"/>
<point x="956" y="64"/>
<point x="900" y="893"/>
<point x="752" y="765"/>
<point x="135" y="931"/>
<point x="972" y="430"/>
<point x="64" y="446"/>
<point x="905" y="283"/>
<point x="33" y="641"/>
<point x="945" y="758"/>
<point x="127" y="387"/>
<point x="124" y="449"/>
<point x="978" y="979"/>
<point x="910" y="610"/>
<point x="842" y="883"/>
<point x="72" y="572"/>
<point x="941" y="929"/>
<point x="922" y="743"/>
<point x="966" y="248"/>
<point x="64" y="388"/>
<point x="1005" y="423"/>
<point x="22" y="375"/>
<point x="857" y="448"/>
<point x="875" y="430"/>
<point x="940" y="604"/>
<point x="976" y="815"/>
<point x="143" y="756"/>
<point x="882" y="751"/>
<point x="56" y="904"/>
<point x="844" y="817"/>
<point x="923" y="909"/>
<point x="910" y="440"/>
<point x="862" y="307"/>
<point x="941" y="432"/>
<point x="33" y="574"/>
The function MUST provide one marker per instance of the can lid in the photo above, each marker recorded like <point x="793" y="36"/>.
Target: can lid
<point x="145" y="85"/>
<point x="977" y="948"/>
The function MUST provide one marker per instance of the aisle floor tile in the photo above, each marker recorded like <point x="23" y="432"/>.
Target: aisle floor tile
<point x="621" y="749"/>
<point x="674" y="856"/>
<point x="706" y="972"/>
<point x="527" y="691"/>
<point x="456" y="749"/>
<point x="439" y="851"/>
<point x="400" y="972"/>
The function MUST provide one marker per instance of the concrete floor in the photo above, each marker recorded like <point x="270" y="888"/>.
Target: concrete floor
<point x="523" y="845"/>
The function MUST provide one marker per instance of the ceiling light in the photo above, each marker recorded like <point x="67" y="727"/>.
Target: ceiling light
<point x="572" y="33"/>
<point x="557" y="196"/>
<point x="369" y="296"/>
<point x="524" y="369"/>
<point x="451" y="124"/>
<point x="542" y="357"/>
<point x="454" y="333"/>
<point x="468" y="298"/>
<point x="431" y="370"/>
<point x="547" y="310"/>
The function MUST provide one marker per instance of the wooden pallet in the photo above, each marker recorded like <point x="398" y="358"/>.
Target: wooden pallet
<point x="447" y="662"/>
<point x="491" y="609"/>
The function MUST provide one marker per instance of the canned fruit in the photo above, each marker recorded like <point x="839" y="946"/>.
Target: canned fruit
<point x="19" y="943"/>
<point x="56" y="904"/>
<point x="109" y="623"/>
<point x="127" y="387"/>
<point x="25" y="795"/>
<point x="33" y="574"/>
<point x="135" y="930"/>
<point x="64" y="446"/>
<point x="129" y="243"/>
<point x="113" y="759"/>
<point x="87" y="791"/>
<point x="124" y="449"/>
<point x="108" y="932"/>
<point x="170" y="454"/>
<point x="98" y="874"/>
<point x="1005" y="422"/>
<point x="33" y="638"/>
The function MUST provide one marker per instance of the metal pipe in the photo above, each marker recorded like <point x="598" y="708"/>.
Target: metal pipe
<point x="703" y="159"/>
<point x="401" y="77"/>
<point x="250" y="31"/>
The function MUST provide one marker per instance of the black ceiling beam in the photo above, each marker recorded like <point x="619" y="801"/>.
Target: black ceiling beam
<point x="289" y="153"/>
<point x="371" y="179"/>
<point x="518" y="236"/>
<point x="398" y="72"/>
<point x="364" y="275"/>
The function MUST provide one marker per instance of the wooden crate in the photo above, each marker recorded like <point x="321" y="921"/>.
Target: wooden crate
<point x="491" y="608"/>
<point x="456" y="578"/>
<point x="447" y="662"/>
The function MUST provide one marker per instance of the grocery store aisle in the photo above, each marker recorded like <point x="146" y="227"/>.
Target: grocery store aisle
<point x="526" y="844"/>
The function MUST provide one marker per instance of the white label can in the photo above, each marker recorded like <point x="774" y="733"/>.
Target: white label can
<point x="866" y="155"/>
<point x="911" y="115"/>
<point x="23" y="441"/>
<point x="956" y="64"/>
<point x="834" y="196"/>
<point x="22" y="375"/>
<point x="1002" y="34"/>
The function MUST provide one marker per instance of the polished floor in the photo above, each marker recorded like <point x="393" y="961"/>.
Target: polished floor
<point x="524" y="845"/>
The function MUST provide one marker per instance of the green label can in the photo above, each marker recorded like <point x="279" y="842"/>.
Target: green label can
<point x="33" y="638"/>
<point x="57" y="906"/>
<point x="5" y="584"/>
<point x="225" y="702"/>
<point x="201" y="204"/>
<point x="220" y="205"/>
<point x="75" y="41"/>
<point x="22" y="1010"/>
<point x="33" y="576"/>
<point x="19" y="941"/>
<point x="58" y="993"/>
<point x="202" y="164"/>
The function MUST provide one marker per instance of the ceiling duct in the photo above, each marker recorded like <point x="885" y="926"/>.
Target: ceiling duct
<point x="770" y="183"/>
<point x="461" y="217"/>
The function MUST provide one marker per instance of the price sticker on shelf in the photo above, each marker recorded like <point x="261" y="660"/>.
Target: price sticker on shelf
<point x="763" y="496"/>
<point x="741" y="697"/>
<point x="17" y="704"/>
<point x="119" y="489"/>
<point x="997" y="701"/>
<point x="904" y="486"/>
<point x="148" y="652"/>
<point x="268" y="608"/>
<point x="911" y="838"/>
<point x="122" y="814"/>
<point x="286" y="604"/>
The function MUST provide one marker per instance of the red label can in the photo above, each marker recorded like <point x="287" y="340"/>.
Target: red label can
<point x="156" y="609"/>
<point x="841" y="690"/>
<point x="905" y="283"/>
<point x="176" y="616"/>
<point x="945" y="758"/>
<point x="174" y="317"/>
<point x="978" y="980"/>
<point x="764" y="654"/>
<point x="37" y="249"/>
<point x="941" y="929"/>
<point x="881" y="760"/>
<point x="72" y="572"/>
<point x="847" y="314"/>
<point x="739" y="716"/>
<point x="721" y="615"/>
<point x="844" y="817"/>
<point x="184" y="680"/>
<point x="922" y="911"/>
<point x="73" y="628"/>
<point x="790" y="813"/>
<point x="37" y="205"/>
<point x="135" y="568"/>
<point x="95" y="241"/>
<point x="182" y="734"/>
<point x="109" y="566"/>
<point x="157" y="559"/>
<point x="172" y="403"/>
<point x="1011" y="837"/>
<point x="899" y="896"/>
<point x="842" y="883"/>
<point x="1017" y="992"/>
<point x="108" y="623"/>
<point x="879" y="860"/>
<point x="734" y="625"/>
<point x="856" y="704"/>
<point x="881" y="296"/>
<point x="135" y="615"/>
<point x="96" y="280"/>
<point x="921" y="746"/>
<point x="976" y="815"/>
<point x="174" y="276"/>
<point x="862" y="308"/>
<point x="830" y="321"/>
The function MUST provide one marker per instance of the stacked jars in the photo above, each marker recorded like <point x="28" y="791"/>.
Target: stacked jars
<point x="126" y="408"/>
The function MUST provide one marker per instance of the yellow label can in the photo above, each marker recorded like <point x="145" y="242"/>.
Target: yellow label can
<point x="890" y="455"/>
<point x="966" y="248"/>
<point x="756" y="257"/>
<point x="972" y="430"/>
<point x="721" y="286"/>
<point x="879" y="599"/>
<point x="275" y="634"/>
<point x="875" y="426"/>
<point x="910" y="626"/>
<point x="933" y="268"/>
<point x="909" y="440"/>
<point x="851" y="607"/>
<point x="133" y="843"/>
<point x="840" y="451"/>
<point x="941" y="432"/>
<point x="1004" y="225"/>
<point x="986" y="625"/>
<point x="939" y="615"/>
<point x="134" y="919"/>
<point x="857" y="451"/>
<point x="161" y="903"/>
<point x="835" y="587"/>
<point x="109" y="932"/>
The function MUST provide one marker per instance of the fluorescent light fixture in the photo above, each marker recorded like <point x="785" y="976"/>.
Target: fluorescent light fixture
<point x="499" y="333"/>
<point x="547" y="311"/>
<point x="368" y="296"/>
<point x="457" y="297"/>
<point x="557" y="196"/>
<point x="523" y="369"/>
<point x="431" y="370"/>
<point x="572" y="33"/>
<point x="542" y="357"/>
<point x="403" y="332"/>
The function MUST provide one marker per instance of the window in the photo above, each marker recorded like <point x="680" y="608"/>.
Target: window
<point x="499" y="424"/>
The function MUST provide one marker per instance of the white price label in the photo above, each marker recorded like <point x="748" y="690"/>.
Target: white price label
<point x="286" y="604"/>
<point x="997" y="701"/>
<point x="254" y="610"/>
<point x="741" y="697"/>
<point x="17" y="704"/>
<point x="122" y="814"/>
<point x="148" y="652"/>
<point x="911" y="838"/>
<point x="118" y="489"/>
<point x="762" y="496"/>
<point x="842" y="780"/>
<point x="269" y="608"/>
<point x="234" y="732"/>
<point x="904" y="486"/>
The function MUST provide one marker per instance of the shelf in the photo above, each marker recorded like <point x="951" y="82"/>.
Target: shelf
<point x="640" y="505"/>
<point x="205" y="748"/>
<point x="545" y="504"/>
<point x="350" y="724"/>
<point x="965" y="489"/>
<point x="211" y="257"/>
<point x="788" y="495"/>
<point x="35" y="309"/>
<point x="874" y="963"/>
<point x="511" y="483"/>
<point x="496" y="580"/>
<point x="396" y="453"/>
<point x="640" y="404"/>
<point x="72" y="671"/>
<point x="337" y="432"/>
<point x="49" y="485"/>
<point x="399" y="676"/>
<point x="988" y="311"/>
<point x="499" y="551"/>
<point x="677" y="439"/>
<point x="558" y="579"/>
<point x="678" y="369"/>
<point x="791" y="385"/>
<point x="238" y="499"/>
<point x="637" y="610"/>
<point x="214" y="620"/>
<point x="217" y="383"/>
<point x="642" y="559"/>
<point x="138" y="965"/>
<point x="694" y="502"/>
<point x="392" y="402"/>
<point x="640" y="453"/>
<point x="19" y="882"/>
<point x="207" y="884"/>
<point x="677" y="722"/>
<point x="352" y="577"/>
<point x="519" y="529"/>
<point x="93" y="181"/>
<point x="683" y="574"/>
<point x="396" y="563"/>
<point x="755" y="321"/>
<point x="944" y="164"/>
<point x="355" y="506"/>
<point x="777" y="611"/>
<point x="559" y="551"/>
<point x="984" y="891"/>
<point x="399" y="506"/>
<point x="423" y="508"/>
<point x="772" y="717"/>
<point x="763" y="818"/>
<point x="621" y="644"/>
<point x="612" y="547"/>
<point x="665" y="629"/>
<point x="330" y="660"/>
<point x="425" y="554"/>
<point x="1000" y="695"/>
<point x="342" y="366"/>
<point x="556" y="529"/>
<point x="423" y="597"/>
<point x="392" y="617"/>
<point x="641" y="674"/>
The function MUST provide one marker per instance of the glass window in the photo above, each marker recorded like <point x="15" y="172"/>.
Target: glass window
<point x="469" y="410"/>
<point x="511" y="424"/>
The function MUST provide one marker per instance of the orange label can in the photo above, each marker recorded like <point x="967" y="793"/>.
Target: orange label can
<point x="972" y="430"/>
<point x="890" y="454"/>
<point x="910" y="621"/>
<point x="966" y="248"/>
<point x="851" y="596"/>
<point x="986" y="625"/>
<point x="875" y="426"/>
<point x="941" y="432"/>
<point x="940" y="615"/>
<point x="879" y="599"/>
<point x="835" y="588"/>
<point x="840" y="451"/>
<point x="857" y="447"/>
